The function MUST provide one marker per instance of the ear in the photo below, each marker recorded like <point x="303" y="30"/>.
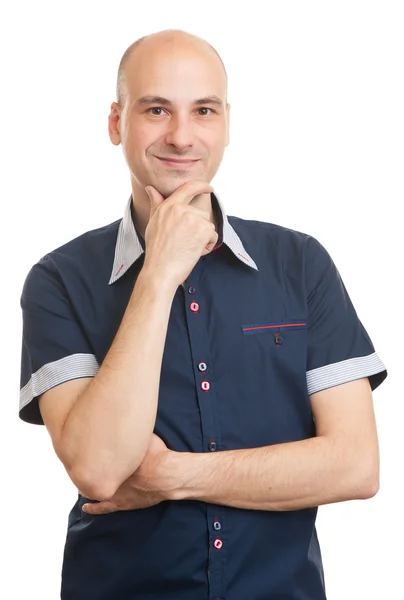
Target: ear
<point x="228" y="124"/>
<point x="114" y="122"/>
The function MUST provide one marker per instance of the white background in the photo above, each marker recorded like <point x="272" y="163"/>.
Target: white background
<point x="316" y="145"/>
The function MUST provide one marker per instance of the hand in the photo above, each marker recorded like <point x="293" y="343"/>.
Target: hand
<point x="150" y="484"/>
<point x="178" y="234"/>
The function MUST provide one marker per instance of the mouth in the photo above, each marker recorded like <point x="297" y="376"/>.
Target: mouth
<point x="178" y="163"/>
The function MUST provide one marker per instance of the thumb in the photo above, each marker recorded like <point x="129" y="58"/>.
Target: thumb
<point x="155" y="198"/>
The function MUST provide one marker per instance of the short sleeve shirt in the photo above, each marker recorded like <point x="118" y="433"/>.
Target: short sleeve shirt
<point x="260" y="324"/>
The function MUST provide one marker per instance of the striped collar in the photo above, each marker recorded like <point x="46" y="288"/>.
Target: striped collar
<point x="128" y="246"/>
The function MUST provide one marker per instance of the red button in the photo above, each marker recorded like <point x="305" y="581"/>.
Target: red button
<point x="218" y="544"/>
<point x="194" y="307"/>
<point x="205" y="385"/>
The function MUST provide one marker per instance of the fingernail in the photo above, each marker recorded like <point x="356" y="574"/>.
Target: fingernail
<point x="84" y="507"/>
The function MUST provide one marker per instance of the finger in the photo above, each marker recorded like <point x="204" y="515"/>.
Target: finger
<point x="188" y="190"/>
<point x="205" y="214"/>
<point x="155" y="198"/>
<point x="99" y="508"/>
<point x="211" y="244"/>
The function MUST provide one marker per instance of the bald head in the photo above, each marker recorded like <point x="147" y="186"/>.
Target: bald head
<point x="168" y="39"/>
<point x="172" y="103"/>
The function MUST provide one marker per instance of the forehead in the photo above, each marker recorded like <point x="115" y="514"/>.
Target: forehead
<point x="181" y="71"/>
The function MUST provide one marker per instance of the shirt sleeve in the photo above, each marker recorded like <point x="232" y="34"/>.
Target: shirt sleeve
<point x="339" y="348"/>
<point x="54" y="345"/>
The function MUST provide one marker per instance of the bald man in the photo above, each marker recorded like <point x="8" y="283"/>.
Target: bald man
<point x="205" y="379"/>
<point x="165" y="148"/>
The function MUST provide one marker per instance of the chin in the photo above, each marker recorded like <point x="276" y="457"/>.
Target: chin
<point x="167" y="188"/>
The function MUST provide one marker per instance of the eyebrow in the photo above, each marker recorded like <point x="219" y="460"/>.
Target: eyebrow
<point x="164" y="102"/>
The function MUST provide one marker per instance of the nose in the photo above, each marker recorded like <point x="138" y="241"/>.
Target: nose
<point x="180" y="133"/>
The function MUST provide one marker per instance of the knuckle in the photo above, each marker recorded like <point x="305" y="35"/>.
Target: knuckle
<point x="177" y="209"/>
<point x="207" y="229"/>
<point x="188" y="217"/>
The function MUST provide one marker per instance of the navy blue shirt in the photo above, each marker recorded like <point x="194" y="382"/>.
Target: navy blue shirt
<point x="260" y="324"/>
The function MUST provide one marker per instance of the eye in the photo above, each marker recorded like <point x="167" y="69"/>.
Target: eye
<point x="205" y="108"/>
<point x="155" y="109"/>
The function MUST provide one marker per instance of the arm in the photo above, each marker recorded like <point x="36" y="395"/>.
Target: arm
<point x="101" y="428"/>
<point x="341" y="463"/>
<point x="104" y="436"/>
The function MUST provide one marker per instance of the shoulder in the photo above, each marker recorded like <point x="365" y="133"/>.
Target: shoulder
<point x="273" y="244"/>
<point x="88" y="244"/>
<point x="92" y="251"/>
<point x="263" y="234"/>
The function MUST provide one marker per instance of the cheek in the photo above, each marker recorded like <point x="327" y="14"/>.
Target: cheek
<point x="218" y="144"/>
<point x="137" y="141"/>
<point x="216" y="139"/>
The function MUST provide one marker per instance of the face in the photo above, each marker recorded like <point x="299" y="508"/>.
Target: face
<point x="174" y="123"/>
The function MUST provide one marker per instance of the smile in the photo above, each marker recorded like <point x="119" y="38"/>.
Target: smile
<point x="178" y="162"/>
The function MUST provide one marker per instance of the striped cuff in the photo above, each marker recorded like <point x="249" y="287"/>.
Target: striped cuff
<point x="59" y="371"/>
<point x="343" y="371"/>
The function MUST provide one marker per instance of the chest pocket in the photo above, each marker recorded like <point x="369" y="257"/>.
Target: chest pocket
<point x="276" y="328"/>
<point x="272" y="378"/>
<point x="277" y="346"/>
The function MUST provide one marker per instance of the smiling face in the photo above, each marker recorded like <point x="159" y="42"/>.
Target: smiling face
<point x="173" y="124"/>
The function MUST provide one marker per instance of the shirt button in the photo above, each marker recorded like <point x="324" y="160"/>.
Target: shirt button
<point x="278" y="339"/>
<point x="191" y="289"/>
<point x="218" y="543"/>
<point x="205" y="385"/>
<point x="212" y="446"/>
<point x="194" y="307"/>
<point x="217" y="525"/>
<point x="202" y="366"/>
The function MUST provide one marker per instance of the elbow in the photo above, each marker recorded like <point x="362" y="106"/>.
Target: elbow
<point x="97" y="481"/>
<point x="370" y="486"/>
<point x="97" y="492"/>
<point x="98" y="486"/>
<point x="89" y="484"/>
<point x="367" y="482"/>
<point x="93" y="488"/>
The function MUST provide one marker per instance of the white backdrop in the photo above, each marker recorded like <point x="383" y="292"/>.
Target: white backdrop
<point x="317" y="133"/>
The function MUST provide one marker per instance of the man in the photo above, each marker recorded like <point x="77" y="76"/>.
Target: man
<point x="205" y="379"/>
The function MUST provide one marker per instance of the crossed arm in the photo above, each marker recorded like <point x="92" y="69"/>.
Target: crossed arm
<point x="340" y="463"/>
<point x="101" y="429"/>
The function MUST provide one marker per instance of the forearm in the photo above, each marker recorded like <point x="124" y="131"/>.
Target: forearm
<point x="288" y="476"/>
<point x="109" y="428"/>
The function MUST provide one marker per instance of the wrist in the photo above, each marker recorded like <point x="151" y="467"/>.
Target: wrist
<point x="186" y="475"/>
<point x="154" y="283"/>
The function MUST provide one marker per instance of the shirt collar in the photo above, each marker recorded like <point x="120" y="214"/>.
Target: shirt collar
<point x="129" y="248"/>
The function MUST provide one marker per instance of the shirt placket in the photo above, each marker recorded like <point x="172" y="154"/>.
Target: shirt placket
<point x="196" y="310"/>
